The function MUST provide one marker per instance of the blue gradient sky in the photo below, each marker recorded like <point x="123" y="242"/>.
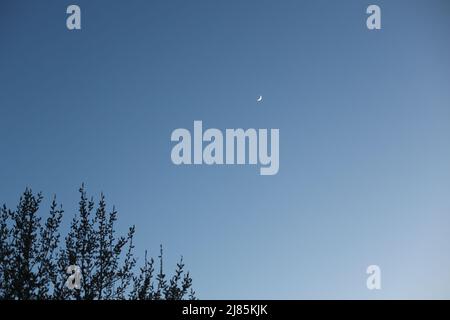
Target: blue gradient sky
<point x="364" y="121"/>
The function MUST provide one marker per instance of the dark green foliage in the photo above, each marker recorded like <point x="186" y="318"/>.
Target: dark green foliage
<point x="34" y="258"/>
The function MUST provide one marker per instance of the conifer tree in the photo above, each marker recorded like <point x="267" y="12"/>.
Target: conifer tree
<point x="34" y="259"/>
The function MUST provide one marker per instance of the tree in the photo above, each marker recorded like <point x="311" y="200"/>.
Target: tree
<point x="34" y="260"/>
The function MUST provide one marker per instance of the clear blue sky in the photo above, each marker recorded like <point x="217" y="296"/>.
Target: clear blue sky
<point x="364" y="119"/>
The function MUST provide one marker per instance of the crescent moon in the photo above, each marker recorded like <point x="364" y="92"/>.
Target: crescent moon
<point x="259" y="99"/>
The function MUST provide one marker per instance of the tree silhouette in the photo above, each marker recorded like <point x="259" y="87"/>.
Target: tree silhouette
<point x="34" y="259"/>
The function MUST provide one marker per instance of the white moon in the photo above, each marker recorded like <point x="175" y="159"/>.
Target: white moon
<point x="259" y="99"/>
